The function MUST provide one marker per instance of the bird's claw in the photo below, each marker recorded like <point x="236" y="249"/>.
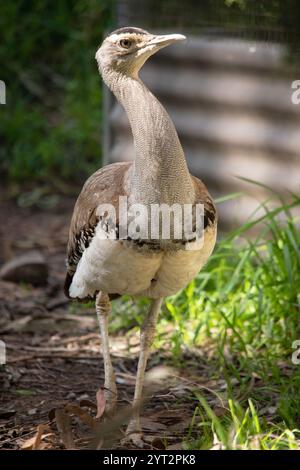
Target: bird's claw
<point x="135" y="439"/>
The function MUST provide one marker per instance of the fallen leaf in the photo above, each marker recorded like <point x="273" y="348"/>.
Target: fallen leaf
<point x="39" y="436"/>
<point x="101" y="402"/>
<point x="28" y="444"/>
<point x="34" y="443"/>
<point x="63" y="423"/>
<point x="83" y="415"/>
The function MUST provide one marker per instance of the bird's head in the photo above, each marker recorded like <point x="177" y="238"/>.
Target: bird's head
<point x="127" y="49"/>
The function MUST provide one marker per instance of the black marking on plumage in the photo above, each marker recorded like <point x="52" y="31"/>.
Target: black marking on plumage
<point x="209" y="220"/>
<point x="129" y="30"/>
<point x="84" y="237"/>
<point x="108" y="226"/>
<point x="209" y="214"/>
<point x="142" y="243"/>
<point x="82" y="241"/>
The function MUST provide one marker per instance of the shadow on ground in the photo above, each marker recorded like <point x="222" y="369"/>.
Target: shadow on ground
<point x="54" y="354"/>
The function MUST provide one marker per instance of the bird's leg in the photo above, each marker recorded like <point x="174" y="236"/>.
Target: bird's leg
<point x="134" y="431"/>
<point x="103" y="308"/>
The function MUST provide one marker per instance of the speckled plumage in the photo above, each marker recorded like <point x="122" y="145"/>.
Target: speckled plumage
<point x="127" y="266"/>
<point x="159" y="174"/>
<point x="101" y="267"/>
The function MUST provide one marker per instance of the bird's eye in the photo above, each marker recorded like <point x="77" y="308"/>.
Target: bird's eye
<point x="126" y="43"/>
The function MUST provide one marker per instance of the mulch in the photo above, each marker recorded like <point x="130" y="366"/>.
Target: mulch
<point x="54" y="366"/>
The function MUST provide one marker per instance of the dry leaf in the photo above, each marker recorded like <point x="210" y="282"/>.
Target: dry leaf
<point x="63" y="423"/>
<point x="34" y="443"/>
<point x="39" y="436"/>
<point x="28" y="444"/>
<point x="101" y="402"/>
<point x="83" y="415"/>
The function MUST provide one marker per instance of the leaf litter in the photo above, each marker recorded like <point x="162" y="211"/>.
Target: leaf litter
<point x="54" y="352"/>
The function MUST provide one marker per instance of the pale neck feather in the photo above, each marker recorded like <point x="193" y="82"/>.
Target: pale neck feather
<point x="160" y="173"/>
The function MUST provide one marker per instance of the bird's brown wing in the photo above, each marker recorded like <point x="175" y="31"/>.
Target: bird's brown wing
<point x="103" y="187"/>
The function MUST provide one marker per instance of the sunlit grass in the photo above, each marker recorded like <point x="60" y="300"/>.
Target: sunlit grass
<point x="239" y="429"/>
<point x="243" y="309"/>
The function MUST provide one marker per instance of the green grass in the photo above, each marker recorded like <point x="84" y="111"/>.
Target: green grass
<point x="51" y="124"/>
<point x="242" y="311"/>
<point x="240" y="429"/>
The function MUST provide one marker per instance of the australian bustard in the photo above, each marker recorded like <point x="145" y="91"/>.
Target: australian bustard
<point x="102" y="267"/>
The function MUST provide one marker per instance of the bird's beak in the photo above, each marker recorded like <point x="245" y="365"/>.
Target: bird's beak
<point x="158" y="42"/>
<point x="166" y="39"/>
<point x="152" y="45"/>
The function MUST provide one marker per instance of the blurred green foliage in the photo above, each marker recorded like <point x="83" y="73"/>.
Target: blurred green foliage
<point x="266" y="20"/>
<point x="51" y="123"/>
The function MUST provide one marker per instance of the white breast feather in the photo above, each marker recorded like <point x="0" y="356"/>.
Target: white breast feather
<point x="115" y="266"/>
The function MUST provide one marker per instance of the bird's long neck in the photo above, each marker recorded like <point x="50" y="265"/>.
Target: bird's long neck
<point x="160" y="173"/>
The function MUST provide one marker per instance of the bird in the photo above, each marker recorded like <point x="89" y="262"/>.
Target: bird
<point x="103" y="267"/>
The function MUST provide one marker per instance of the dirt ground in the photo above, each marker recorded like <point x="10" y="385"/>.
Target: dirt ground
<point x="54" y="365"/>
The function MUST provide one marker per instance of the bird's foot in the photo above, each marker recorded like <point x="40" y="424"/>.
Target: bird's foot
<point x="134" y="435"/>
<point x="135" y="439"/>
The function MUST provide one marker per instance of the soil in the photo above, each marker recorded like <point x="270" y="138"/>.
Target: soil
<point x="54" y="366"/>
